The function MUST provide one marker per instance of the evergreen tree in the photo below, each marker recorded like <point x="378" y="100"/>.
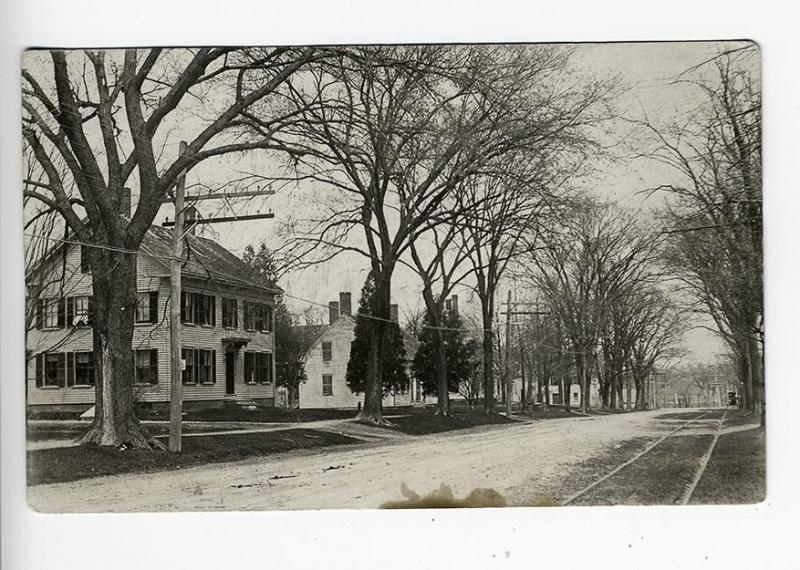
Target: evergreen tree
<point x="290" y="342"/>
<point x="392" y="364"/>
<point x="462" y="353"/>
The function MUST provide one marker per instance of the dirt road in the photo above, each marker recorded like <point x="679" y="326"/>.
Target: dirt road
<point x="528" y="463"/>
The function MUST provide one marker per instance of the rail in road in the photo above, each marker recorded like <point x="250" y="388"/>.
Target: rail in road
<point x="622" y="485"/>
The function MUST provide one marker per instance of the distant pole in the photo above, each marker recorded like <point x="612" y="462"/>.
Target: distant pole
<point x="509" y="384"/>
<point x="176" y="382"/>
<point x="523" y="392"/>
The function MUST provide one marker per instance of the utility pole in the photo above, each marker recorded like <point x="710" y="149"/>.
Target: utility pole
<point x="509" y="383"/>
<point x="523" y="392"/>
<point x="176" y="360"/>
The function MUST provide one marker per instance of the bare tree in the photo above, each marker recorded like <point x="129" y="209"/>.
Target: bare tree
<point x="713" y="214"/>
<point x="441" y="271"/>
<point x="108" y="116"/>
<point x="588" y="266"/>
<point x="396" y="130"/>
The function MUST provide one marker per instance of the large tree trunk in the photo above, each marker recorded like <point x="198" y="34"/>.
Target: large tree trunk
<point x="489" y="401"/>
<point x="372" y="412"/>
<point x="529" y="392"/>
<point x="586" y="396"/>
<point x="628" y="392"/>
<point x="114" y="288"/>
<point x="442" y="393"/>
<point x="546" y="403"/>
<point x="580" y="366"/>
<point x="613" y="387"/>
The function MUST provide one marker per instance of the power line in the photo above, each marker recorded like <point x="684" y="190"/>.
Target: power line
<point x="236" y="279"/>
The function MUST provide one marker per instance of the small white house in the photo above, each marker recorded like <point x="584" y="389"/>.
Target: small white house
<point x="325" y="363"/>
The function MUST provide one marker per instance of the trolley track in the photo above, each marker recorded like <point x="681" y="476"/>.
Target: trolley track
<point x="666" y="480"/>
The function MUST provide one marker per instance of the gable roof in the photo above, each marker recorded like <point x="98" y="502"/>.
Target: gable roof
<point x="204" y="259"/>
<point x="312" y="334"/>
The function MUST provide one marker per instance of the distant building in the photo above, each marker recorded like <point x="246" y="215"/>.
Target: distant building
<point x="326" y="358"/>
<point x="227" y="333"/>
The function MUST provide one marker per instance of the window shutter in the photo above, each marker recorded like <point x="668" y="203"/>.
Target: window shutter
<point x="40" y="313"/>
<point x="70" y="310"/>
<point x="153" y="364"/>
<point x="196" y="358"/>
<point x="61" y="312"/>
<point x="213" y="366"/>
<point x="39" y="365"/>
<point x="153" y="306"/>
<point x="248" y="366"/>
<point x="269" y="318"/>
<point x="213" y="311"/>
<point x="61" y="369"/>
<point x="90" y="316"/>
<point x="70" y="369"/>
<point x="183" y="306"/>
<point x="270" y="378"/>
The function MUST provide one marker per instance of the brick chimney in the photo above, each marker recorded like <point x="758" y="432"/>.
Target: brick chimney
<point x="454" y="304"/>
<point x="394" y="314"/>
<point x="345" y="303"/>
<point x="333" y="311"/>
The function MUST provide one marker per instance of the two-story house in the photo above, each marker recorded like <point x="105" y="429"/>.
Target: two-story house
<point x="227" y="328"/>
<point x="325" y="362"/>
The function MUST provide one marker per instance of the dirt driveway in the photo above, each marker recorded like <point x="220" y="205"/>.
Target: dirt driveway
<point x="525" y="463"/>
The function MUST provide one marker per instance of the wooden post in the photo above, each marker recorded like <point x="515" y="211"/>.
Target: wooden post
<point x="176" y="381"/>
<point x="509" y="383"/>
<point x="522" y="391"/>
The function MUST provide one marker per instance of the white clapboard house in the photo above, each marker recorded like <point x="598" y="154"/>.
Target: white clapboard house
<point x="326" y="358"/>
<point x="227" y="332"/>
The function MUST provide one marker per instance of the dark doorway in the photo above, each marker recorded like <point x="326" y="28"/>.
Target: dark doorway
<point x="230" y="373"/>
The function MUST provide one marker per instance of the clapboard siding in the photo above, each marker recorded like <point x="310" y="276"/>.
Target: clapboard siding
<point x="151" y="276"/>
<point x="340" y="334"/>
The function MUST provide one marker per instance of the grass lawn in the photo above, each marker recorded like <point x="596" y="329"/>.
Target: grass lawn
<point x="259" y="415"/>
<point x="427" y="422"/>
<point x="80" y="462"/>
<point x="737" y="470"/>
<point x="71" y="431"/>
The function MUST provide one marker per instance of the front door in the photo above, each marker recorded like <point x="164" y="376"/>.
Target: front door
<point x="230" y="373"/>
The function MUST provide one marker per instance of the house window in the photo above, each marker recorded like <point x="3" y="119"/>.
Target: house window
<point x="200" y="366"/>
<point x="327" y="385"/>
<point x="147" y="307"/>
<point x="264" y="367"/>
<point x="188" y="377"/>
<point x="327" y="351"/>
<point x="79" y="311"/>
<point x="257" y="317"/>
<point x="258" y="367"/>
<point x="147" y="366"/>
<point x="205" y="366"/>
<point x="54" y="369"/>
<point x="84" y="369"/>
<point x="230" y="313"/>
<point x="197" y="309"/>
<point x="53" y="313"/>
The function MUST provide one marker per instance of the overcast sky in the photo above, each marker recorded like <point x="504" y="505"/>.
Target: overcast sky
<point x="645" y="71"/>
